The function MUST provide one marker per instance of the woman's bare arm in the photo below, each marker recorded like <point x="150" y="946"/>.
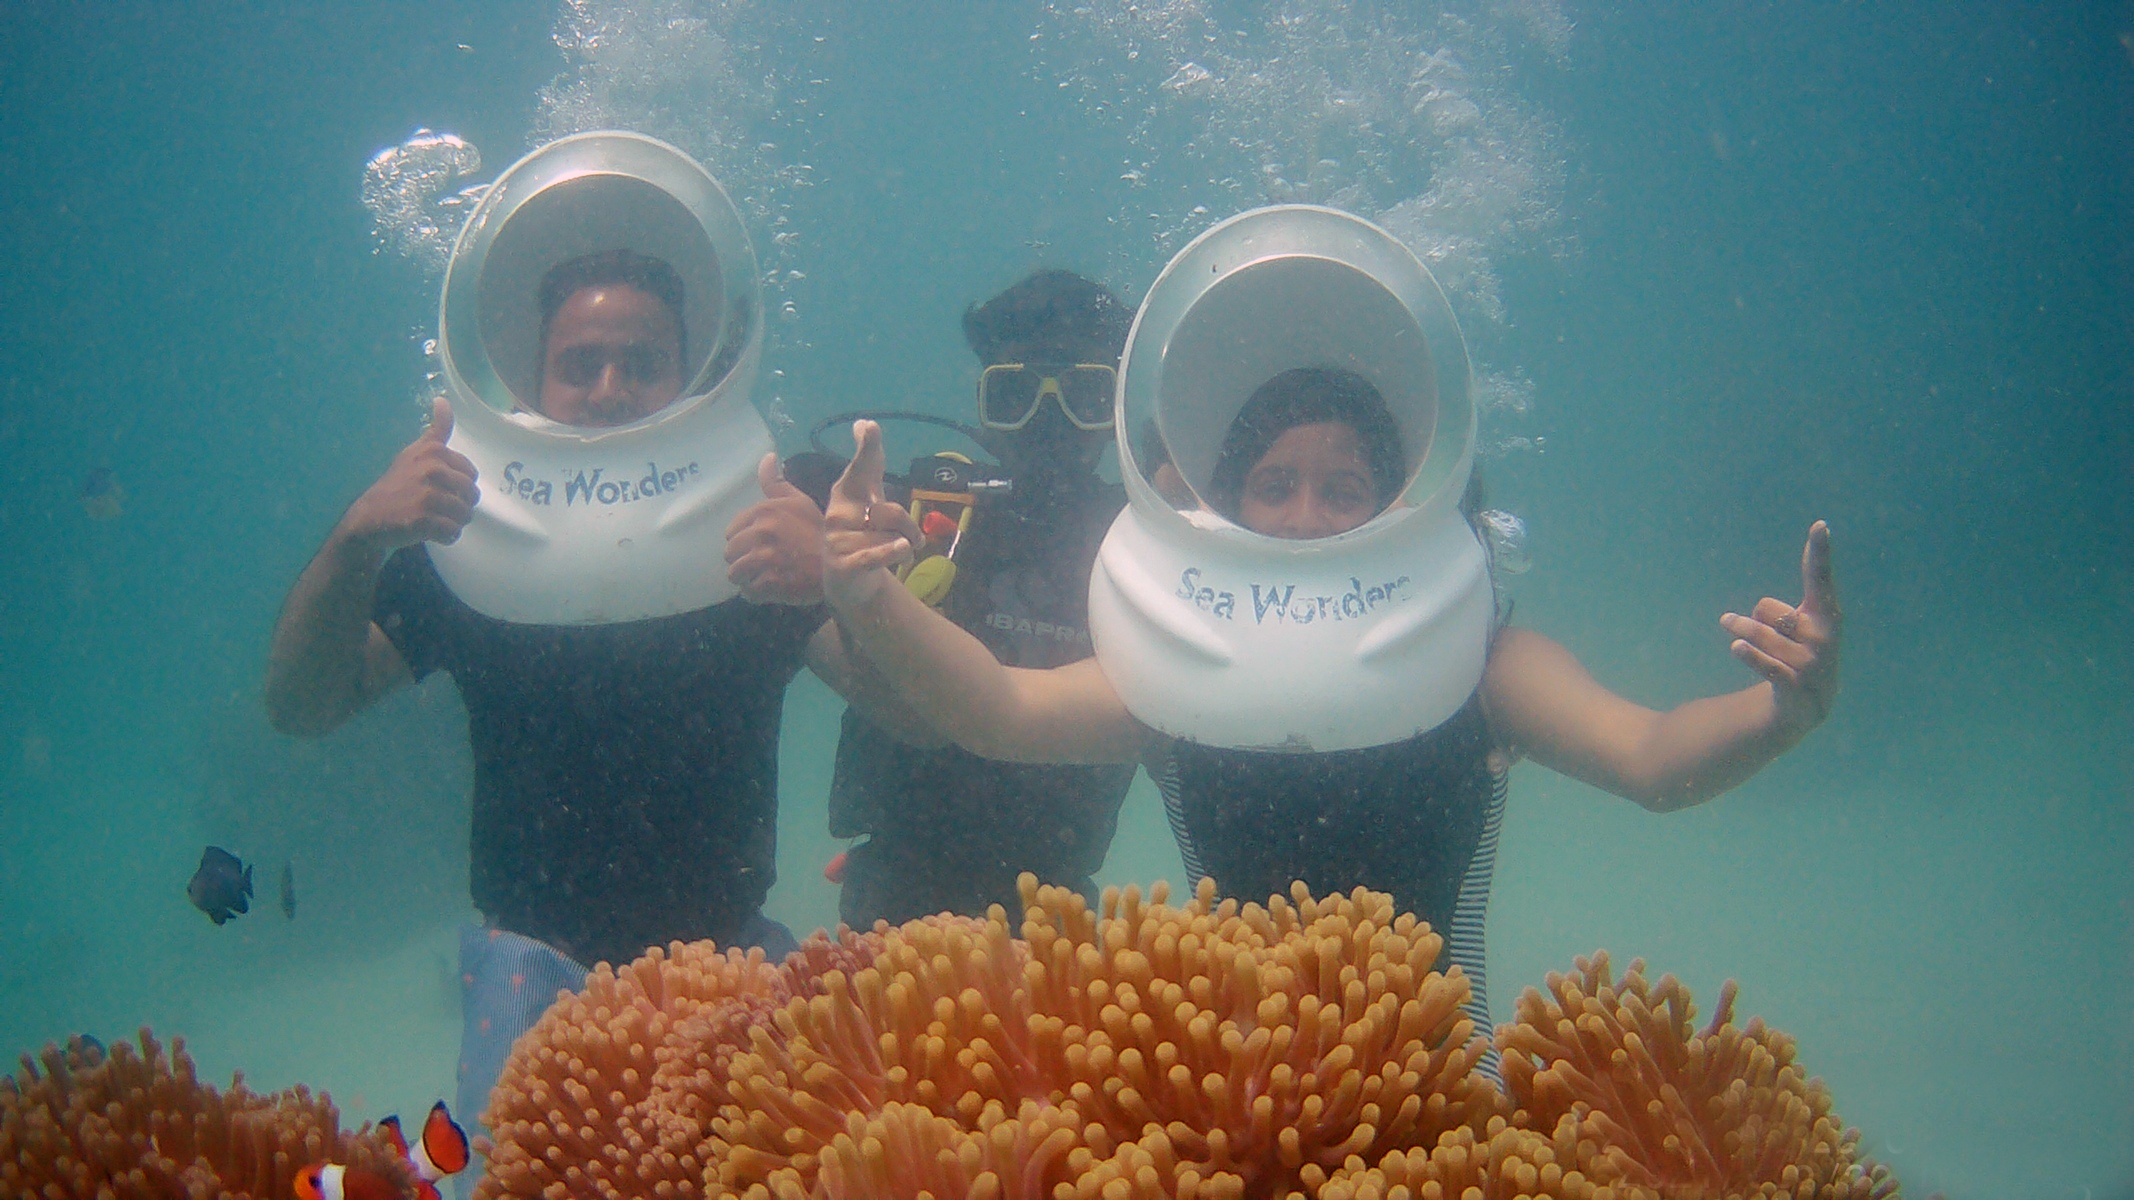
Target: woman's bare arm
<point x="1543" y="703"/>
<point x="838" y="662"/>
<point x="1067" y="714"/>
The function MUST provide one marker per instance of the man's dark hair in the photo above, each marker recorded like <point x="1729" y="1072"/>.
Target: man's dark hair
<point x="606" y="269"/>
<point x="1060" y="312"/>
<point x="1309" y="396"/>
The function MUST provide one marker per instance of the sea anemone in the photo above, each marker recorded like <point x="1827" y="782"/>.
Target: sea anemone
<point x="133" y="1125"/>
<point x="1307" y="1048"/>
<point x="612" y="1091"/>
<point x="1619" y="1070"/>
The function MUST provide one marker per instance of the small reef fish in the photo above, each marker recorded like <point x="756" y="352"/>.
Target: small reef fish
<point x="440" y="1151"/>
<point x="222" y="887"/>
<point x="289" y="891"/>
<point x="103" y="497"/>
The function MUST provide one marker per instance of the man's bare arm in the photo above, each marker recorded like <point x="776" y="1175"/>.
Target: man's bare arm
<point x="329" y="660"/>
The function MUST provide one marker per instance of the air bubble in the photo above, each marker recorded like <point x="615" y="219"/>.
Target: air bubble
<point x="1506" y="535"/>
<point x="1189" y="75"/>
<point x="724" y="82"/>
<point x="1406" y="114"/>
<point x="405" y="187"/>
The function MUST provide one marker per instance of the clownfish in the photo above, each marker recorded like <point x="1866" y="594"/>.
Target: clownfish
<point x="441" y="1151"/>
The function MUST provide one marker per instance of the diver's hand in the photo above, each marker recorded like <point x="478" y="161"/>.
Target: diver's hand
<point x="1796" y="646"/>
<point x="774" y="549"/>
<point x="864" y="534"/>
<point x="427" y="495"/>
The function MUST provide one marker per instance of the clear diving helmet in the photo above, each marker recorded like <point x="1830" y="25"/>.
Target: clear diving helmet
<point x="1216" y="634"/>
<point x="591" y="523"/>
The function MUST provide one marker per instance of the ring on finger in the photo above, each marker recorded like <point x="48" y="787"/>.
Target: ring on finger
<point x="1787" y="624"/>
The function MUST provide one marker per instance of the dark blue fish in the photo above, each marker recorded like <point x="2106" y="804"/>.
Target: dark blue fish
<point x="289" y="891"/>
<point x="222" y="886"/>
<point x="103" y="497"/>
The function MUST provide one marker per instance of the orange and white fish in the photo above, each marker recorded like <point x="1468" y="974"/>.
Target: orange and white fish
<point x="441" y="1151"/>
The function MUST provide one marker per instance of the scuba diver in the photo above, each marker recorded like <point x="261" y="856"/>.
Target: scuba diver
<point x="1007" y="561"/>
<point x="554" y="546"/>
<point x="1271" y="770"/>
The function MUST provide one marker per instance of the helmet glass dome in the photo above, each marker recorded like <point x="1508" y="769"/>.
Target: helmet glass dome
<point x="603" y="214"/>
<point x="1349" y="603"/>
<point x="600" y="334"/>
<point x="1285" y="298"/>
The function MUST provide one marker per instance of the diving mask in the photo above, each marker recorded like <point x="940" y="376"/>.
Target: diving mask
<point x="1009" y="394"/>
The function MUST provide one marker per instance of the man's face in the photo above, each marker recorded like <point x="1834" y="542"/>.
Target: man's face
<point x="614" y="355"/>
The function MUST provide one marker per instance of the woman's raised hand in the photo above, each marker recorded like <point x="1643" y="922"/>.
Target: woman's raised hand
<point x="1796" y="646"/>
<point x="864" y="535"/>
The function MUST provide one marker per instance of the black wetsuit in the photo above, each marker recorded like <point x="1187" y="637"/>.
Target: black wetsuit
<point x="950" y="831"/>
<point x="1396" y="818"/>
<point x="1416" y="818"/>
<point x="625" y="775"/>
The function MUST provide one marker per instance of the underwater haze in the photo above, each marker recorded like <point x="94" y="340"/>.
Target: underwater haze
<point x="1724" y="270"/>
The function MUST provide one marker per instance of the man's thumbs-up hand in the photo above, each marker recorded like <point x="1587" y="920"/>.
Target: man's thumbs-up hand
<point x="427" y="495"/>
<point x="774" y="549"/>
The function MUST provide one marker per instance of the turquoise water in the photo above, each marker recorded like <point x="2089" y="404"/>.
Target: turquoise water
<point x="1726" y="270"/>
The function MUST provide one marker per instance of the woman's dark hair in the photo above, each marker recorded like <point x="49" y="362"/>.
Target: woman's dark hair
<point x="1150" y="450"/>
<point x="1308" y="396"/>
<point x="606" y="269"/>
<point x="1076" y="318"/>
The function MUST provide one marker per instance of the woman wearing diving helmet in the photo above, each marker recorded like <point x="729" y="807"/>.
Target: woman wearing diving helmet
<point x="1006" y="558"/>
<point x="1309" y="659"/>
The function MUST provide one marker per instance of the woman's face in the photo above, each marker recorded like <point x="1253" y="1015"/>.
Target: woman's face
<point x="1313" y="482"/>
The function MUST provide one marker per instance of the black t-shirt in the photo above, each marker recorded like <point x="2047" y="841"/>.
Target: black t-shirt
<point x="625" y="775"/>
<point x="951" y="831"/>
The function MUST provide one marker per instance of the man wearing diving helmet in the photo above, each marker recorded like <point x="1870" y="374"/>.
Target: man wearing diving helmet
<point x="625" y="773"/>
<point x="946" y="829"/>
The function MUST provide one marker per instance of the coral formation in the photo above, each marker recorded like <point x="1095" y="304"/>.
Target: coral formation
<point x="1301" y="1049"/>
<point x="612" y="1091"/>
<point x="1661" y="1107"/>
<point x="133" y="1125"/>
<point x="1231" y="1047"/>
